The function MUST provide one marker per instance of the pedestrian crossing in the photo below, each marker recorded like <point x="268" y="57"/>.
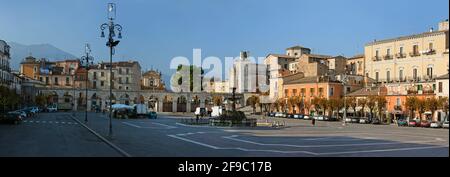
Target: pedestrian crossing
<point x="50" y="122"/>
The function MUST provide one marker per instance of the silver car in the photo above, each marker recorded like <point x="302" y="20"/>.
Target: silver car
<point x="445" y="124"/>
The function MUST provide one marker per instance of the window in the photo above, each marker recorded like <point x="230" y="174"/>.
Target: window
<point x="128" y="71"/>
<point x="430" y="72"/>
<point x="120" y="70"/>
<point x="430" y="46"/>
<point x="311" y="91"/>
<point x="415" y="73"/>
<point x="102" y="83"/>
<point x="286" y="92"/>
<point x="67" y="80"/>
<point x="294" y="92"/>
<point x="127" y="80"/>
<point x="95" y="75"/>
<point x="321" y="91"/>
<point x="46" y="80"/>
<point x="400" y="75"/>
<point x="285" y="66"/>
<point x="388" y="76"/>
<point x="398" y="102"/>
<point x="415" y="49"/>
<point x="94" y="84"/>
<point x="401" y="50"/>
<point x="331" y="91"/>
<point x="440" y="87"/>
<point x="40" y="79"/>
<point x="388" y="52"/>
<point x="126" y="88"/>
<point x="377" y="53"/>
<point x="120" y="80"/>
<point x="56" y="81"/>
<point x="102" y="74"/>
<point x="376" y="76"/>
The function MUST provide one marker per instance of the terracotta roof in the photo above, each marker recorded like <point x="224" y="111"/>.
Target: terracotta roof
<point x="297" y="47"/>
<point x="305" y="80"/>
<point x="319" y="56"/>
<point x="366" y="91"/>
<point x="356" y="57"/>
<point x="282" y="56"/>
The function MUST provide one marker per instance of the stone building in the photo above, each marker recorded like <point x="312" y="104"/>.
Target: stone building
<point x="152" y="80"/>
<point x="417" y="57"/>
<point x="6" y="78"/>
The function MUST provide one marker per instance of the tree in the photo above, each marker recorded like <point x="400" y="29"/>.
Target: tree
<point x="351" y="102"/>
<point x="253" y="101"/>
<point x="362" y="102"/>
<point x="381" y="104"/>
<point x="295" y="101"/>
<point x="410" y="104"/>
<point x="316" y="102"/>
<point x="371" y="103"/>
<point x="432" y="105"/>
<point x="420" y="106"/>
<point x="282" y="104"/>
<point x="217" y="100"/>
<point x="307" y="107"/>
<point x="324" y="104"/>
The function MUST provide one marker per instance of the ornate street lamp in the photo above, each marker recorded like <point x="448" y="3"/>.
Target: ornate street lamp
<point x="111" y="43"/>
<point x="87" y="61"/>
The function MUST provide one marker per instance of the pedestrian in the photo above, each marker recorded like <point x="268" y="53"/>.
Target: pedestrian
<point x="313" y="121"/>
<point x="196" y="119"/>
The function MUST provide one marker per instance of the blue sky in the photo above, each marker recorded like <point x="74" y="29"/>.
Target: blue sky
<point x="156" y="31"/>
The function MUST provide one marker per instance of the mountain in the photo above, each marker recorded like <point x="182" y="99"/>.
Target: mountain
<point x="48" y="51"/>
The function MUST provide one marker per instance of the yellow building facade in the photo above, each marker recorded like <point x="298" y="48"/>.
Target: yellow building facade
<point x="418" y="58"/>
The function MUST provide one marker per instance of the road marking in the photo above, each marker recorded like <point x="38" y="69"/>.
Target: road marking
<point x="25" y="121"/>
<point x="37" y="121"/>
<point x="234" y="137"/>
<point x="130" y="124"/>
<point x="168" y="126"/>
<point x="69" y="122"/>
<point x="44" y="122"/>
<point x="239" y="148"/>
<point x="56" y="122"/>
<point x="63" y="122"/>
<point x="122" y="152"/>
<point x="50" y="122"/>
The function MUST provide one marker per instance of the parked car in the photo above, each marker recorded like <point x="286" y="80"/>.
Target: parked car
<point x="52" y="108"/>
<point x="355" y="120"/>
<point x="376" y="121"/>
<point x="413" y="123"/>
<point x="298" y="116"/>
<point x="436" y="124"/>
<point x="290" y="116"/>
<point x="425" y="124"/>
<point x="348" y="120"/>
<point x="152" y="115"/>
<point x="200" y="112"/>
<point x="402" y="123"/>
<point x="12" y="118"/>
<point x="306" y="117"/>
<point x="445" y="124"/>
<point x="278" y="114"/>
<point x="364" y="121"/>
<point x="21" y="113"/>
<point x="272" y="114"/>
<point x="320" y="117"/>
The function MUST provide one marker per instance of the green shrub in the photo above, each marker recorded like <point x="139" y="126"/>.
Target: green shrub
<point x="234" y="116"/>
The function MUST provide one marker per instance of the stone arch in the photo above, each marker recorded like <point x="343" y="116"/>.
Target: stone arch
<point x="167" y="103"/>
<point x="181" y="103"/>
<point x="67" y="97"/>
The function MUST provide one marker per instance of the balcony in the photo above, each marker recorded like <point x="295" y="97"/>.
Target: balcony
<point x="376" y="58"/>
<point x="388" y="57"/>
<point x="400" y="55"/>
<point x="430" y="52"/>
<point x="414" y="54"/>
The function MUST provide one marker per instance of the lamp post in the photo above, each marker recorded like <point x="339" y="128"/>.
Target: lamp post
<point x="111" y="43"/>
<point x="87" y="60"/>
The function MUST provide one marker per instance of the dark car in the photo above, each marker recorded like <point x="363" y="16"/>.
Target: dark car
<point x="402" y="123"/>
<point x="290" y="116"/>
<point x="376" y="121"/>
<point x="10" y="118"/>
<point x="332" y="118"/>
<point x="425" y="124"/>
<point x="152" y="115"/>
